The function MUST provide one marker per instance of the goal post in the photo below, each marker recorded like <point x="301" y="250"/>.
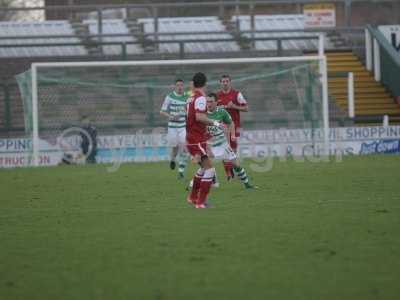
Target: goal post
<point x="297" y="86"/>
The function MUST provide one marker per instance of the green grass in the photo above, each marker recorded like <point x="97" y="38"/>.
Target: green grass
<point x="312" y="231"/>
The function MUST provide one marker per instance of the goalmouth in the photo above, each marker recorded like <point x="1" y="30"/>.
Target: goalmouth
<point x="118" y="93"/>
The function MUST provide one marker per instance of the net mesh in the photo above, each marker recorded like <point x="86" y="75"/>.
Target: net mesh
<point x="120" y="100"/>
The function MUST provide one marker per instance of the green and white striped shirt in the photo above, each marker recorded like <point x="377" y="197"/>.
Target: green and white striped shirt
<point x="175" y="106"/>
<point x="218" y="136"/>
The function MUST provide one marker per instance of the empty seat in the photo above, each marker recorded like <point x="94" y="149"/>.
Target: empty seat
<point x="114" y="26"/>
<point x="15" y="29"/>
<point x="191" y="24"/>
<point x="278" y="22"/>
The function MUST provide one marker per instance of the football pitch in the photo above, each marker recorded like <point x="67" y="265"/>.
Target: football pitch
<point x="311" y="231"/>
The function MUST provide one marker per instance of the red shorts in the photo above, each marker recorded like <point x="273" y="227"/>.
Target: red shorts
<point x="199" y="149"/>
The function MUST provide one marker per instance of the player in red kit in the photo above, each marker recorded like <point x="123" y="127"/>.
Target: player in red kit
<point x="234" y="102"/>
<point x="196" y="141"/>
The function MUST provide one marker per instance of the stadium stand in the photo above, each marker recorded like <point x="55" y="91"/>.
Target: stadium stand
<point x="17" y="110"/>
<point x="11" y="111"/>
<point x="371" y="98"/>
<point x="54" y="28"/>
<point x="277" y="22"/>
<point x="191" y="24"/>
<point x="114" y="26"/>
<point x="2" y="109"/>
<point x="280" y="112"/>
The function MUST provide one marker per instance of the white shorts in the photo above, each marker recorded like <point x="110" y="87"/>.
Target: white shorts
<point x="176" y="136"/>
<point x="223" y="152"/>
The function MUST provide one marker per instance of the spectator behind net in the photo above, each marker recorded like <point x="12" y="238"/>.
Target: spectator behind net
<point x="89" y="140"/>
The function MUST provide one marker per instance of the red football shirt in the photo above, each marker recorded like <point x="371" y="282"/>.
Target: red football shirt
<point x="236" y="98"/>
<point x="196" y="132"/>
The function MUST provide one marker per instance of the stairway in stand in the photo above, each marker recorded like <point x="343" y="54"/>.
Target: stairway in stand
<point x="371" y="99"/>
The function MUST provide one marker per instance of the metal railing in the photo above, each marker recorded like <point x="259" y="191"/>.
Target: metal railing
<point x="96" y="40"/>
<point x="219" y="8"/>
<point x="383" y="60"/>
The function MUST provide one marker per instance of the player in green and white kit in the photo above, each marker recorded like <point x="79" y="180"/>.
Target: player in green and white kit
<point x="218" y="142"/>
<point x="174" y="108"/>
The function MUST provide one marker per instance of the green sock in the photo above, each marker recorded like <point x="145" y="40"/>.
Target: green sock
<point x="241" y="173"/>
